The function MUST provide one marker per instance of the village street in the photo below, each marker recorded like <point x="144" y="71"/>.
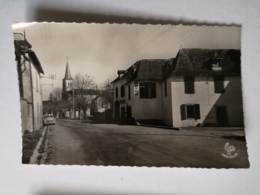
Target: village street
<point x="73" y="142"/>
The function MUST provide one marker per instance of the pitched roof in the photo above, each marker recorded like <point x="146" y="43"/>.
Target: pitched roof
<point x="199" y="61"/>
<point x="144" y="70"/>
<point x="67" y="73"/>
<point x="150" y="70"/>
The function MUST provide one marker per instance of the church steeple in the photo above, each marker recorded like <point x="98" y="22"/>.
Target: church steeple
<point x="67" y="72"/>
<point x="67" y="81"/>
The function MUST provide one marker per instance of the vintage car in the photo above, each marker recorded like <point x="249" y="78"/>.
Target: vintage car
<point x="48" y="119"/>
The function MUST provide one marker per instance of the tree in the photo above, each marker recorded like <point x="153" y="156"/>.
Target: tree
<point x="56" y="103"/>
<point x="107" y="93"/>
<point x="84" y="88"/>
<point x="56" y="95"/>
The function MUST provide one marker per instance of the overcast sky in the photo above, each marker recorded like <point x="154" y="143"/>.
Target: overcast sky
<point x="99" y="50"/>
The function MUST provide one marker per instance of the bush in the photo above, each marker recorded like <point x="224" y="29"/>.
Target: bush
<point x="30" y="140"/>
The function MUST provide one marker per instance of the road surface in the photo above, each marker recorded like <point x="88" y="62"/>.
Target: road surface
<point x="72" y="142"/>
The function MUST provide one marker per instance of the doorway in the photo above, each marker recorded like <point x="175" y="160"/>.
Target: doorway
<point x="222" y="116"/>
<point x="128" y="113"/>
<point x="117" y="110"/>
<point x="123" y="114"/>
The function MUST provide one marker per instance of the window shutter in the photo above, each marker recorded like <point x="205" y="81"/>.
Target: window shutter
<point x="142" y="90"/>
<point x="186" y="86"/>
<point x="122" y="90"/>
<point x="129" y="92"/>
<point x="183" y="112"/>
<point x="165" y="88"/>
<point x="116" y="92"/>
<point x="154" y="90"/>
<point x="197" y="111"/>
<point x="219" y="84"/>
<point x="216" y="88"/>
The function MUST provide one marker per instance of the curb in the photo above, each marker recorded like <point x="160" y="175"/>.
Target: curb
<point x="33" y="159"/>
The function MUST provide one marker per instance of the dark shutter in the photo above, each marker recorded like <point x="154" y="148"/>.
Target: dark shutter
<point x="116" y="92"/>
<point x="219" y="84"/>
<point x="165" y="88"/>
<point x="183" y="112"/>
<point x="216" y="86"/>
<point x="129" y="92"/>
<point x="197" y="111"/>
<point x="142" y="90"/>
<point x="154" y="90"/>
<point x="122" y="91"/>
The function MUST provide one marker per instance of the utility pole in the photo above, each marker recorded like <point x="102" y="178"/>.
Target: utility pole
<point x="73" y="102"/>
<point x="52" y="77"/>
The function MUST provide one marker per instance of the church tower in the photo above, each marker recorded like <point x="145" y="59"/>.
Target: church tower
<point x="67" y="81"/>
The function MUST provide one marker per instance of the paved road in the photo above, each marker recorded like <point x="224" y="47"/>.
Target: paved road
<point x="74" y="142"/>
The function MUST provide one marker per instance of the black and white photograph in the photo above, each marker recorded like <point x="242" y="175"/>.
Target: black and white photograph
<point x="130" y="94"/>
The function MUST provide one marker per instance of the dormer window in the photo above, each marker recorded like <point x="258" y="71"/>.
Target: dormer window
<point x="216" y="63"/>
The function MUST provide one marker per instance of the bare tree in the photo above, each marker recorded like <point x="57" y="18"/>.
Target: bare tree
<point x="56" y="95"/>
<point x="56" y="103"/>
<point x="84" y="88"/>
<point x="107" y="93"/>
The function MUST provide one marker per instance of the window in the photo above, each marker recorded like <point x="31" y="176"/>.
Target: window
<point x="148" y="90"/>
<point x="189" y="84"/>
<point x="136" y="89"/>
<point x="219" y="84"/>
<point x="216" y="64"/>
<point x="190" y="111"/>
<point x="122" y="90"/>
<point x="129" y="92"/>
<point x="165" y="88"/>
<point x="116" y="92"/>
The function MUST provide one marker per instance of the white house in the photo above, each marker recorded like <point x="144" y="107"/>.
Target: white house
<point x="204" y="89"/>
<point x="137" y="92"/>
<point x="199" y="87"/>
<point x="29" y="69"/>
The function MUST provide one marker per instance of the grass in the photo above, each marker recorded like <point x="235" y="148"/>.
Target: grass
<point x="30" y="140"/>
<point x="42" y="146"/>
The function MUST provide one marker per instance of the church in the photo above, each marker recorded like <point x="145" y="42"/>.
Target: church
<point x="82" y="102"/>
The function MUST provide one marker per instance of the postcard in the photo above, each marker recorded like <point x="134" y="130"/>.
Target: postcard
<point x="130" y="95"/>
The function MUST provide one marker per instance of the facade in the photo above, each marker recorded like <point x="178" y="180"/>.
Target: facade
<point x="29" y="71"/>
<point x="137" y="92"/>
<point x="199" y="87"/>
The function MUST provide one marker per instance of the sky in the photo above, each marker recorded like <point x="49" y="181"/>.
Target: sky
<point x="100" y="50"/>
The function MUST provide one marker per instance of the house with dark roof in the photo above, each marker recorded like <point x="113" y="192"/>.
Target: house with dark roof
<point x="29" y="71"/>
<point x="203" y="88"/>
<point x="199" y="87"/>
<point x="137" y="91"/>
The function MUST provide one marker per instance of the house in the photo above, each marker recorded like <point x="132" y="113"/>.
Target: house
<point x="29" y="70"/>
<point x="137" y="91"/>
<point x="86" y="100"/>
<point x="203" y="88"/>
<point x="199" y="87"/>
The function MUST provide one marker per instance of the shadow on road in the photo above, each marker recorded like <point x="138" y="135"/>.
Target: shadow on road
<point x="239" y="138"/>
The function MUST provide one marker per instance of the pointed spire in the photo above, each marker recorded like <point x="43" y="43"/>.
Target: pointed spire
<point x="67" y="73"/>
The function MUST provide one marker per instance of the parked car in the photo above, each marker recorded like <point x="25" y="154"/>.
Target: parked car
<point x="48" y="119"/>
